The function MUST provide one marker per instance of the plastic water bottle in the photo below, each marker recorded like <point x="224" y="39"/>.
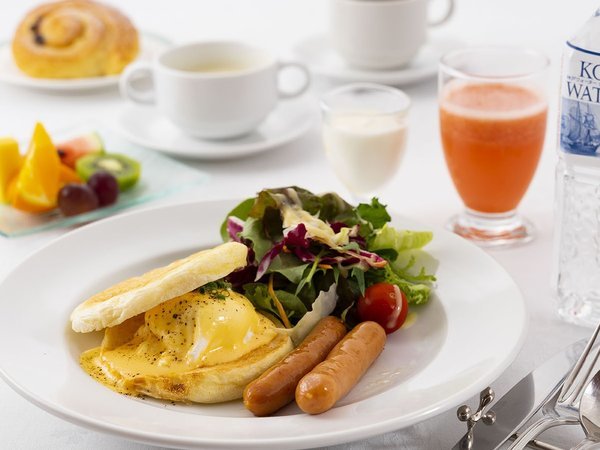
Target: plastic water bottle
<point x="578" y="179"/>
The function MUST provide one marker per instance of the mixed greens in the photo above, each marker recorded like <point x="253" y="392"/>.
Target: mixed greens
<point x="301" y="244"/>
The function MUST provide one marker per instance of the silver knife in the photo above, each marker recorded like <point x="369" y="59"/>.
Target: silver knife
<point x="522" y="401"/>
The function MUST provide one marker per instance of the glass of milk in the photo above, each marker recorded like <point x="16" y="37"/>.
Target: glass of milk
<point x="364" y="134"/>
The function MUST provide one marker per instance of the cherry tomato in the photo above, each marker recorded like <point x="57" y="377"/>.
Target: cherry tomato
<point x="385" y="304"/>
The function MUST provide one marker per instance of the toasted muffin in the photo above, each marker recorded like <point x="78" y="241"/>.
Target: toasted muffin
<point x="139" y="294"/>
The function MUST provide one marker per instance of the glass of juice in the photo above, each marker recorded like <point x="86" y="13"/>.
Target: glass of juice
<point x="493" y="109"/>
<point x="364" y="135"/>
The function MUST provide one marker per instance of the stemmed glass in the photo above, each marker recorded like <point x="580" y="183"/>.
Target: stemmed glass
<point x="364" y="134"/>
<point x="493" y="112"/>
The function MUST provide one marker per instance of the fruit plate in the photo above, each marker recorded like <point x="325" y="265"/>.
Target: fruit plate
<point x="160" y="177"/>
<point x="425" y="369"/>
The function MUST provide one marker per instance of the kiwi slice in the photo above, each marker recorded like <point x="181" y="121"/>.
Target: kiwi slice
<point x="125" y="170"/>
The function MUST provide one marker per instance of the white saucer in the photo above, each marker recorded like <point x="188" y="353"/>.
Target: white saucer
<point x="147" y="127"/>
<point x="318" y="54"/>
<point x="150" y="44"/>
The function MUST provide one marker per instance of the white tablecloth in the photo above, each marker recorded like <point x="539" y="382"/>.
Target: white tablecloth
<point x="421" y="190"/>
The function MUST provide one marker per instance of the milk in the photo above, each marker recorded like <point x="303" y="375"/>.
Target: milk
<point x="364" y="149"/>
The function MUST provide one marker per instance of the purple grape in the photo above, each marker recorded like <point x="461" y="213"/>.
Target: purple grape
<point x="105" y="186"/>
<point x="75" y="198"/>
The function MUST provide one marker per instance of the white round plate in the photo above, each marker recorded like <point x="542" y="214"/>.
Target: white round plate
<point x="461" y="341"/>
<point x="146" y="126"/>
<point x="150" y="45"/>
<point x="318" y="54"/>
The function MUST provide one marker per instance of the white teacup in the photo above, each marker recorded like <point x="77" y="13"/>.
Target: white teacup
<point x="211" y="90"/>
<point x="380" y="34"/>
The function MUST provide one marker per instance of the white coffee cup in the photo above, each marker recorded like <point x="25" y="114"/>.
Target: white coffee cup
<point x="380" y="34"/>
<point x="211" y="90"/>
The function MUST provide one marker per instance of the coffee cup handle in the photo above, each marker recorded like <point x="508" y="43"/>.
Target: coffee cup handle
<point x="445" y="17"/>
<point x="135" y="72"/>
<point x="302" y="89"/>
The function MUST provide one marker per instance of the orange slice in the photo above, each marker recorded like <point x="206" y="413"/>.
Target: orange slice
<point x="38" y="181"/>
<point x="10" y="163"/>
<point x="11" y="190"/>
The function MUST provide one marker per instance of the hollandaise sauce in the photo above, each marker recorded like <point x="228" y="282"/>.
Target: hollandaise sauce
<point x="179" y="336"/>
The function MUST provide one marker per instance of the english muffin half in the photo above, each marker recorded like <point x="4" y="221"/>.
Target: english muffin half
<point x="139" y="294"/>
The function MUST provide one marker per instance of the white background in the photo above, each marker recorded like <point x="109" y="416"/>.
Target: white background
<point x="422" y="188"/>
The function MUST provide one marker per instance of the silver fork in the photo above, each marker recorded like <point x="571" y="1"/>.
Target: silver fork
<point x="563" y="408"/>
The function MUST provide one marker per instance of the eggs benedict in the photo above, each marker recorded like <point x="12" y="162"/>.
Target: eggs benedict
<point x="173" y="334"/>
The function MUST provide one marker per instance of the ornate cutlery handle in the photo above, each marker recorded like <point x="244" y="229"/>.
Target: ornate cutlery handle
<point x="538" y="427"/>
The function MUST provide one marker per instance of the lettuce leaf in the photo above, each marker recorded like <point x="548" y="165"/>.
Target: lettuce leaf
<point x="375" y="213"/>
<point x="399" y="240"/>
<point x="258" y="294"/>
<point x="416" y="293"/>
<point x="411" y="268"/>
<point x="288" y="266"/>
<point x="241" y="211"/>
<point x="253" y="232"/>
<point x="403" y="248"/>
<point x="415" y="265"/>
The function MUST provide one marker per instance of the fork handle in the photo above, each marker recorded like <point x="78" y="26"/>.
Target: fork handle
<point x="586" y="444"/>
<point x="538" y="427"/>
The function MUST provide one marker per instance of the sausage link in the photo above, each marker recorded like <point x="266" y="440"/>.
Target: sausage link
<point x="332" y="379"/>
<point x="275" y="388"/>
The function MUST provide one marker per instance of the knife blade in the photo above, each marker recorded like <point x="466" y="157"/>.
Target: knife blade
<point x="522" y="401"/>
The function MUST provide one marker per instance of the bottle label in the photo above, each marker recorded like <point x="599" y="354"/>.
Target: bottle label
<point x="580" y="105"/>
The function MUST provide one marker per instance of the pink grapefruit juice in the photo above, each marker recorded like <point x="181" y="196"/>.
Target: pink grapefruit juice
<point x="492" y="134"/>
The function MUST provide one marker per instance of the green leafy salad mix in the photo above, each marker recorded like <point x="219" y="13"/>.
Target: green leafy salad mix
<point x="301" y="244"/>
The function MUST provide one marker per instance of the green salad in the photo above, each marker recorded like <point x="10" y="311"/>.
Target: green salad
<point x="302" y="245"/>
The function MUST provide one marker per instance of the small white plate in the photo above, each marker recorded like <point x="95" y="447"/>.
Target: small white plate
<point x="150" y="44"/>
<point x="460" y="342"/>
<point x="318" y="54"/>
<point x="146" y="126"/>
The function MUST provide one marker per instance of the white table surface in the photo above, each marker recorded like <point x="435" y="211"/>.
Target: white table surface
<point x="421" y="190"/>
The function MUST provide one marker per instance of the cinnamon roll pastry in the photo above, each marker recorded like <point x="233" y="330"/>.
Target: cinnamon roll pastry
<point x="74" y="39"/>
